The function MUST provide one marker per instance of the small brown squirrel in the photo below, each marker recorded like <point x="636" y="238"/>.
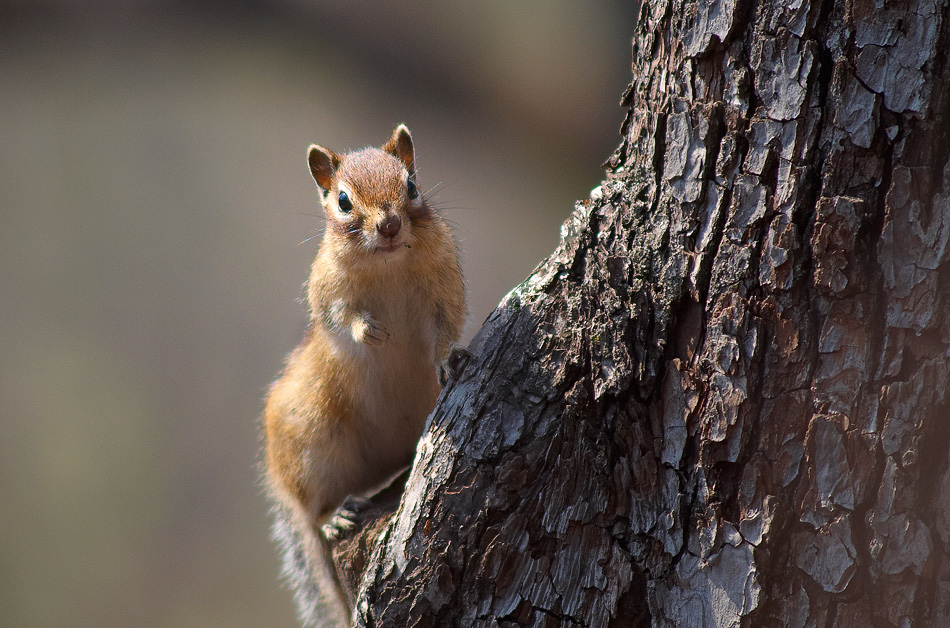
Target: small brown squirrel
<point x="386" y="304"/>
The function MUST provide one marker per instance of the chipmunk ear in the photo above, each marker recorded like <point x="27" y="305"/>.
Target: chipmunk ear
<point x="323" y="163"/>
<point x="400" y="146"/>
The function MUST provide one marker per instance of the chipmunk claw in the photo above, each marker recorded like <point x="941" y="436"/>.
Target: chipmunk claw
<point x="450" y="369"/>
<point x="346" y="517"/>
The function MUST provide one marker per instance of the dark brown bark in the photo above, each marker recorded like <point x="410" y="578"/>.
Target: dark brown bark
<point x="722" y="400"/>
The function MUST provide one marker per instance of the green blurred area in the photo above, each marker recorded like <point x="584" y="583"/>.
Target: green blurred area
<point x="157" y="221"/>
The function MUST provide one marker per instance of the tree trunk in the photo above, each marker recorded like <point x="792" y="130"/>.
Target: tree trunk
<point x="722" y="401"/>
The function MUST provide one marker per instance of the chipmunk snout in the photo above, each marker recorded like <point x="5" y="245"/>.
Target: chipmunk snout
<point x="389" y="226"/>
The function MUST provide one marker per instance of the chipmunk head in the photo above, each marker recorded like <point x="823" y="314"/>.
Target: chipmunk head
<point x="370" y="196"/>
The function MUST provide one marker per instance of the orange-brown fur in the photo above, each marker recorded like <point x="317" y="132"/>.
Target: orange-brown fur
<point x="347" y="411"/>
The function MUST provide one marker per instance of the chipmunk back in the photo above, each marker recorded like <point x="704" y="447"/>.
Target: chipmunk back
<point x="387" y="302"/>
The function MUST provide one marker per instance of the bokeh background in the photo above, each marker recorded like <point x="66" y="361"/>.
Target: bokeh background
<point x="157" y="221"/>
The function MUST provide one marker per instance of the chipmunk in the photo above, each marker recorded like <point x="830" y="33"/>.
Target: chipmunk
<point x="386" y="304"/>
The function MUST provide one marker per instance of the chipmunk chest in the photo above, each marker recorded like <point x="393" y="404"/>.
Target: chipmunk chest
<point x="400" y="384"/>
<point x="410" y="347"/>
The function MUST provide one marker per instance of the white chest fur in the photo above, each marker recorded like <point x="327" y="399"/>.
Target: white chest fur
<point x="397" y="380"/>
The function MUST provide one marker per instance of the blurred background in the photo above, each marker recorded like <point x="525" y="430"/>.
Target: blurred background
<point x="157" y="222"/>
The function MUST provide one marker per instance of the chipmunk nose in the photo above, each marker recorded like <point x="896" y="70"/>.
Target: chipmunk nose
<point x="390" y="226"/>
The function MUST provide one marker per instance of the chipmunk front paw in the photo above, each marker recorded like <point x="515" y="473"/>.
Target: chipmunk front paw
<point x="450" y="369"/>
<point x="369" y="331"/>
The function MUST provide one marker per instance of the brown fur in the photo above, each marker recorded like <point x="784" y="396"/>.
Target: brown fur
<point x="351" y="404"/>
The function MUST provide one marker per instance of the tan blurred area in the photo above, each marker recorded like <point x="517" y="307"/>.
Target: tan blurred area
<point x="157" y="222"/>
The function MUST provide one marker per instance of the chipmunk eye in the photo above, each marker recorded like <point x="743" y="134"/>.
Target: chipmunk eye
<point x="413" y="192"/>
<point x="344" y="201"/>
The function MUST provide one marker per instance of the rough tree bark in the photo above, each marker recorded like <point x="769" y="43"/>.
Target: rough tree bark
<point x="722" y="401"/>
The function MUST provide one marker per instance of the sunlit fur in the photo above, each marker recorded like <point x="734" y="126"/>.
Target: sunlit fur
<point x="351" y="404"/>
